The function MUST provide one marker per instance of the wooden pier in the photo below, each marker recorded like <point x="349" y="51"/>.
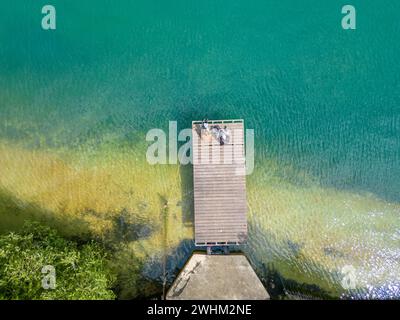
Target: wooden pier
<point x="219" y="184"/>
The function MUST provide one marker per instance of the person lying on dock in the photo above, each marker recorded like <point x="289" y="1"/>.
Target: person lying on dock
<point x="215" y="131"/>
<point x="227" y="134"/>
<point x="222" y="136"/>
<point x="204" y="124"/>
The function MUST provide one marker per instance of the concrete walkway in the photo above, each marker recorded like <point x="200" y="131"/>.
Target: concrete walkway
<point x="217" y="277"/>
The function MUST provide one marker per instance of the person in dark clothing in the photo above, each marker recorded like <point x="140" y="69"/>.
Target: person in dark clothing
<point x="222" y="136"/>
<point x="204" y="124"/>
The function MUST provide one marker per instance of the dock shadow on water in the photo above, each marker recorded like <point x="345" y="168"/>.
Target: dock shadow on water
<point x="187" y="194"/>
<point x="281" y="288"/>
<point x="277" y="261"/>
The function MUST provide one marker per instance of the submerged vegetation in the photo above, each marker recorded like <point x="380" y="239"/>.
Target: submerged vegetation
<point x="109" y="203"/>
<point x="141" y="217"/>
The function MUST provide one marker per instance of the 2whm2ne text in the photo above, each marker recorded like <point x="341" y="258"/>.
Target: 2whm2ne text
<point x="201" y="309"/>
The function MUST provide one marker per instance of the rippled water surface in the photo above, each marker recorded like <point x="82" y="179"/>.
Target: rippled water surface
<point x="77" y="102"/>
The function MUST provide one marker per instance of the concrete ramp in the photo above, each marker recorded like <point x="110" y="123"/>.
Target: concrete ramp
<point x="217" y="277"/>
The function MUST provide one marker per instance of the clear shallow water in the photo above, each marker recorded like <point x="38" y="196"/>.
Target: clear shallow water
<point x="76" y="103"/>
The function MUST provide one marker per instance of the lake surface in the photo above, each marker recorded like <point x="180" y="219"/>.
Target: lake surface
<point x="76" y="104"/>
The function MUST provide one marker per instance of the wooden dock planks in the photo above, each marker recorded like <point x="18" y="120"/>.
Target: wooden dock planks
<point x="219" y="185"/>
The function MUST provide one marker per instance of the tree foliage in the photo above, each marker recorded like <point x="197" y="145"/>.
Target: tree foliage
<point x="81" y="271"/>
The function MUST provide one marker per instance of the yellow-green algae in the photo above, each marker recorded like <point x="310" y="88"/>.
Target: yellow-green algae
<point x="83" y="200"/>
<point x="291" y="225"/>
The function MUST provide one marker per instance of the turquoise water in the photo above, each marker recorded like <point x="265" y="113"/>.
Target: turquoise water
<point x="324" y="104"/>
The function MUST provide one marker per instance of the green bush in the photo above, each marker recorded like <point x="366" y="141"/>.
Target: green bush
<point x="81" y="271"/>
